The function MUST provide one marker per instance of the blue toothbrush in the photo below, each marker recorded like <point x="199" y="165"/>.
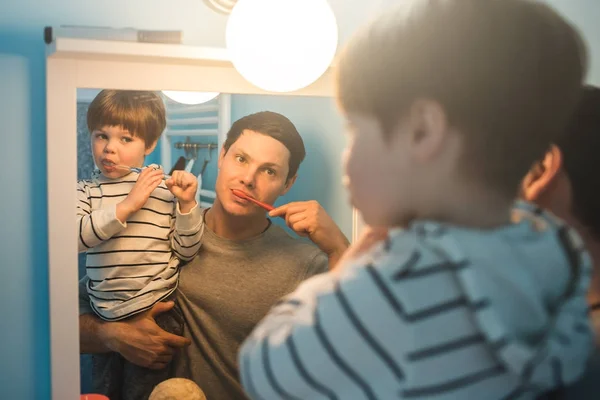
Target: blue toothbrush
<point x="139" y="170"/>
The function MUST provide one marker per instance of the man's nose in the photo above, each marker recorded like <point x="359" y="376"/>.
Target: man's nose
<point x="249" y="178"/>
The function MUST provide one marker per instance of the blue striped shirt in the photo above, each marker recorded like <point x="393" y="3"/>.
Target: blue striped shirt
<point x="435" y="311"/>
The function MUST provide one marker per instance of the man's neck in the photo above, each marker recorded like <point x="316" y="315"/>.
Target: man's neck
<point x="594" y="292"/>
<point x="234" y="227"/>
<point x="592" y="245"/>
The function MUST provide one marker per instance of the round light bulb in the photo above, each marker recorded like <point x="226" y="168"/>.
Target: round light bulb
<point x="190" y="97"/>
<point x="281" y="45"/>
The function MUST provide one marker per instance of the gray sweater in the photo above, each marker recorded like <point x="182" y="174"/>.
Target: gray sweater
<point x="224" y="292"/>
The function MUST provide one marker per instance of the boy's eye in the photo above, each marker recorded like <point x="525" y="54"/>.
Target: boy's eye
<point x="127" y="139"/>
<point x="100" y="136"/>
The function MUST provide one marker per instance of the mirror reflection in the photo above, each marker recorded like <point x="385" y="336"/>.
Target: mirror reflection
<point x="193" y="221"/>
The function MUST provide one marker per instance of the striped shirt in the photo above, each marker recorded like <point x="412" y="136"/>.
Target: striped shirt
<point x="434" y="312"/>
<point x="132" y="265"/>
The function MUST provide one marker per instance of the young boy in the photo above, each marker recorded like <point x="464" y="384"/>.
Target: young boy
<point x="448" y="105"/>
<point x="135" y="228"/>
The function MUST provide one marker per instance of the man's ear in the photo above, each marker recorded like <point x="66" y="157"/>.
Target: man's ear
<point x="150" y="149"/>
<point x="288" y="184"/>
<point x="221" y="157"/>
<point x="542" y="175"/>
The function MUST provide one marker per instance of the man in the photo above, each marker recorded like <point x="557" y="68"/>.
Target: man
<point x="567" y="182"/>
<point x="245" y="265"/>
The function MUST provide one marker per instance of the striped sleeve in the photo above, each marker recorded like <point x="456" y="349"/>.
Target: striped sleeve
<point x="370" y="330"/>
<point x="316" y="342"/>
<point x="94" y="226"/>
<point x="187" y="233"/>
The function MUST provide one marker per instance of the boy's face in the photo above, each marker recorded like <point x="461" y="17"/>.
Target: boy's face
<point x="256" y="164"/>
<point x="112" y="146"/>
<point x="395" y="178"/>
<point x="377" y="172"/>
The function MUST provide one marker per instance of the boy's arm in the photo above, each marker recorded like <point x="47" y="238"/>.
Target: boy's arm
<point x="322" y="317"/>
<point x="187" y="232"/>
<point x="97" y="226"/>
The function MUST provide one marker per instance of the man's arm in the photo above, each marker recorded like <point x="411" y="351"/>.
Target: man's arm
<point x="90" y="342"/>
<point x="309" y="219"/>
<point x="138" y="339"/>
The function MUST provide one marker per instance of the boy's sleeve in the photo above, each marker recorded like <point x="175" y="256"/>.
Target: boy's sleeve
<point x="310" y="340"/>
<point x="94" y="227"/>
<point x="186" y="237"/>
<point x="84" y="297"/>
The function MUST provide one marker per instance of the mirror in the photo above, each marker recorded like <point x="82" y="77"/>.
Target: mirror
<point x="75" y="65"/>
<point x="195" y="134"/>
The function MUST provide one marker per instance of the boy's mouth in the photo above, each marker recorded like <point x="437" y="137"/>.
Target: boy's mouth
<point x="109" y="165"/>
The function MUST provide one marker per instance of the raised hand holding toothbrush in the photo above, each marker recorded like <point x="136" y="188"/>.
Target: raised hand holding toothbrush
<point x="147" y="181"/>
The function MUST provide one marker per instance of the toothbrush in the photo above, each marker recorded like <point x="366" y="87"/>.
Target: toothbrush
<point x="243" y="195"/>
<point x="139" y="170"/>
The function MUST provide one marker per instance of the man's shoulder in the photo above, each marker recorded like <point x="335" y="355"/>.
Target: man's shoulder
<point x="281" y="238"/>
<point x="300" y="250"/>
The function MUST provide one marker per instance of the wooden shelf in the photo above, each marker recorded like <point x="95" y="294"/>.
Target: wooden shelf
<point x="112" y="50"/>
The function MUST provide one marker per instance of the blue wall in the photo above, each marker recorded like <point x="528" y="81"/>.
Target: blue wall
<point x="24" y="367"/>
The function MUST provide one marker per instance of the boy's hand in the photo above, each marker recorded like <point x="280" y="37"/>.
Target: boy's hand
<point x="183" y="185"/>
<point x="369" y="237"/>
<point x="147" y="181"/>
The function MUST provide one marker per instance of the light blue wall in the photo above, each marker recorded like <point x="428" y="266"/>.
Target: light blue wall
<point x="321" y="128"/>
<point x="24" y="344"/>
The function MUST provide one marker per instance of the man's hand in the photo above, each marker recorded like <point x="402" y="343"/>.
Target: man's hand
<point x="183" y="185"/>
<point x="147" y="181"/>
<point x="367" y="239"/>
<point x="140" y="340"/>
<point x="308" y="218"/>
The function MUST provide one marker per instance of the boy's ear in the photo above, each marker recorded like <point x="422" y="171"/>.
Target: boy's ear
<point x="288" y="184"/>
<point x="542" y="175"/>
<point x="150" y="149"/>
<point x="428" y="125"/>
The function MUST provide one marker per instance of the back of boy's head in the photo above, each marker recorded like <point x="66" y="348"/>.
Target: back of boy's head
<point x="508" y="74"/>
<point x="142" y="113"/>
<point x="278" y="127"/>
<point x="580" y="147"/>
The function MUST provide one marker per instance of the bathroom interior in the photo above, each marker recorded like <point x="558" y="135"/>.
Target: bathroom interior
<point x="36" y="333"/>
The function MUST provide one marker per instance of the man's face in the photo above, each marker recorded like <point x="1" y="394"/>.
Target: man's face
<point x="256" y="164"/>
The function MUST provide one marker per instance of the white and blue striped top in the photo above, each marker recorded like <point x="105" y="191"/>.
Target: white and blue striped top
<point x="434" y="312"/>
<point x="130" y="266"/>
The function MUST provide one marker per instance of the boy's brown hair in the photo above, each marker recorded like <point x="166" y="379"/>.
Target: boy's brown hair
<point x="508" y="74"/>
<point x="140" y="112"/>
